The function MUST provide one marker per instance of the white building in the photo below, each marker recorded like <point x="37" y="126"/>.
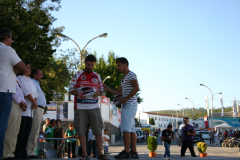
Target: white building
<point x="161" y="120"/>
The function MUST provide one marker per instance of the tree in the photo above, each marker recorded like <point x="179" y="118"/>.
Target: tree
<point x="58" y="75"/>
<point x="109" y="68"/>
<point x="34" y="40"/>
<point x="151" y="121"/>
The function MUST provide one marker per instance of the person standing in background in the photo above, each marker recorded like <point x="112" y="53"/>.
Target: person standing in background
<point x="8" y="59"/>
<point x="47" y="124"/>
<point x="49" y="130"/>
<point x="18" y="105"/>
<point x="167" y="137"/>
<point x="211" y="137"/>
<point x="31" y="96"/>
<point x="177" y="136"/>
<point x="71" y="133"/>
<point x="37" y="76"/>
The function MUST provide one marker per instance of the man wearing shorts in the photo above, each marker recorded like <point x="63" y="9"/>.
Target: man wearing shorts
<point x="86" y="85"/>
<point x="128" y="88"/>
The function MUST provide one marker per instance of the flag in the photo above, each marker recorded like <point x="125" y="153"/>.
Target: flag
<point x="221" y="100"/>
<point x="206" y="100"/>
<point x="234" y="108"/>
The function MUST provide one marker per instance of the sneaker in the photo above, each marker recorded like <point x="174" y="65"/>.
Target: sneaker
<point x="123" y="155"/>
<point x="134" y="155"/>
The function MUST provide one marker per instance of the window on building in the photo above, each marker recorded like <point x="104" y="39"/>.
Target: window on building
<point x="158" y="125"/>
<point x="167" y="119"/>
<point x="170" y="120"/>
<point x="164" y="119"/>
<point x="155" y="118"/>
<point x="161" y="119"/>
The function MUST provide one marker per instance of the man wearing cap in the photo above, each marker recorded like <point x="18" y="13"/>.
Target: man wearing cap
<point x="8" y="59"/>
<point x="128" y="88"/>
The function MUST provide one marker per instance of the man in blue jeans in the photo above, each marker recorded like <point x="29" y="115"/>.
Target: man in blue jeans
<point x="8" y="59"/>
<point x="128" y="88"/>
<point x="167" y="136"/>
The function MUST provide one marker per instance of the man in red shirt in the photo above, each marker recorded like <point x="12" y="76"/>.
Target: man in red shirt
<point x="86" y="85"/>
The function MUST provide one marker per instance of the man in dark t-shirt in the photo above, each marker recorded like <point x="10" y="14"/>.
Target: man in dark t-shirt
<point x="188" y="132"/>
<point x="167" y="136"/>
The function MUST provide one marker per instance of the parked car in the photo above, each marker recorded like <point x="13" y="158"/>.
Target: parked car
<point x="205" y="134"/>
<point x="140" y="136"/>
<point x="197" y="138"/>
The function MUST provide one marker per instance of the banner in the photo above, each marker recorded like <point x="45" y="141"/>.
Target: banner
<point x="206" y="100"/>
<point x="206" y="121"/>
<point x="221" y="100"/>
<point x="119" y="113"/>
<point x="234" y="108"/>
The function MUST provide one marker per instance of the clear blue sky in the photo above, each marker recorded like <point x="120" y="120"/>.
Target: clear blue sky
<point x="172" y="46"/>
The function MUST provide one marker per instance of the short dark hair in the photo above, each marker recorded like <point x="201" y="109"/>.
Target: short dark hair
<point x="58" y="120"/>
<point x="122" y="60"/>
<point x="52" y="120"/>
<point x="90" y="58"/>
<point x="3" y="33"/>
<point x="105" y="130"/>
<point x="34" y="72"/>
<point x="26" y="63"/>
<point x="169" y="126"/>
<point x="185" y="118"/>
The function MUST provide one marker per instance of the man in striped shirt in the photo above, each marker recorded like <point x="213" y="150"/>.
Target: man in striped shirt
<point x="128" y="88"/>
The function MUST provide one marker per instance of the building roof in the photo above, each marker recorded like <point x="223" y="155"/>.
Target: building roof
<point x="163" y="114"/>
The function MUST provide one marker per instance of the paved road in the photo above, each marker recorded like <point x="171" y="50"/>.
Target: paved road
<point x="213" y="152"/>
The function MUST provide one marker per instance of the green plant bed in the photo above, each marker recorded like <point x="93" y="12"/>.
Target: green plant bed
<point x="152" y="143"/>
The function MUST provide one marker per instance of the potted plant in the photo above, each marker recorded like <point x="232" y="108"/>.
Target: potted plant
<point x="152" y="146"/>
<point x="202" y="147"/>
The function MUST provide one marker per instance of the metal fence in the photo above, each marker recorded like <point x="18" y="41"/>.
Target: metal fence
<point x="49" y="149"/>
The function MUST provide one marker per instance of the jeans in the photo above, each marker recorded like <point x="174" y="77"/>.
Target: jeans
<point x="71" y="146"/>
<point x="105" y="149"/>
<point x="5" y="109"/>
<point x="95" y="149"/>
<point x="167" y="149"/>
<point x="128" y="117"/>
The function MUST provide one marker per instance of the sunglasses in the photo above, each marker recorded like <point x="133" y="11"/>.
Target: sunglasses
<point x="71" y="125"/>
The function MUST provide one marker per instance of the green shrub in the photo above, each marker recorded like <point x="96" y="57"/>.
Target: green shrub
<point x="152" y="143"/>
<point x="202" y="147"/>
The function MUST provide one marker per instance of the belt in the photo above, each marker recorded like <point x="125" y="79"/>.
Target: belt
<point x="41" y="107"/>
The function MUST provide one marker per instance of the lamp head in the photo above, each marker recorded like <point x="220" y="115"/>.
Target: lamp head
<point x="201" y="85"/>
<point x="108" y="76"/>
<point x="103" y="35"/>
<point x="220" y="93"/>
<point x="58" y="35"/>
<point x="186" y="98"/>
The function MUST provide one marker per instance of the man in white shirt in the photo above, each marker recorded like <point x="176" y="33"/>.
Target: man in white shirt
<point x="8" y="59"/>
<point x="37" y="76"/>
<point x="10" y="139"/>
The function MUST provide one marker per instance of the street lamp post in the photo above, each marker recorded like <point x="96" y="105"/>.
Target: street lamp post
<point x="103" y="93"/>
<point x="192" y="108"/>
<point x="101" y="35"/>
<point x="177" y="120"/>
<point x="182" y="108"/>
<point x="211" y="105"/>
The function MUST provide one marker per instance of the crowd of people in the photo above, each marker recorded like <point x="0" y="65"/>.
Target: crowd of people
<point x="23" y="103"/>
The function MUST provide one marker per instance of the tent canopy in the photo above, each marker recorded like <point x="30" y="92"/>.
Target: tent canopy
<point x="224" y="125"/>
